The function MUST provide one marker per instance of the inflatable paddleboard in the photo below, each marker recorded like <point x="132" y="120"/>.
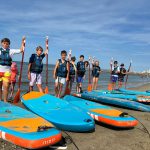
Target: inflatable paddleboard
<point x="62" y="114"/>
<point x="102" y="113"/>
<point x="132" y="92"/>
<point x="137" y="98"/>
<point x="26" y="129"/>
<point x="114" y="101"/>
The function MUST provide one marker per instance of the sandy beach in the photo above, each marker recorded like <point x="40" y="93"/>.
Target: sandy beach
<point x="107" y="138"/>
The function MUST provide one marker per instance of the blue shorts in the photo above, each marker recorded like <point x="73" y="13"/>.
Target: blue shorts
<point x="114" y="79"/>
<point x="79" y="79"/>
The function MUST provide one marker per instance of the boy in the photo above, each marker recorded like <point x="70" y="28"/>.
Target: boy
<point x="114" y="74"/>
<point x="35" y="68"/>
<point x="121" y="75"/>
<point x="5" y="63"/>
<point x="72" y="72"/>
<point x="61" y="73"/>
<point x="80" y="73"/>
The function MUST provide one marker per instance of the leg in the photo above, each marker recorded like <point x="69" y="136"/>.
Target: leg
<point x="31" y="88"/>
<point x="12" y="85"/>
<point x="0" y="90"/>
<point x="40" y="88"/>
<point x="6" y="89"/>
<point x="93" y="83"/>
<point x="56" y="87"/>
<point x="60" y="89"/>
<point x="96" y="82"/>
<point x="39" y="82"/>
<point x="77" y="87"/>
<point x="32" y="81"/>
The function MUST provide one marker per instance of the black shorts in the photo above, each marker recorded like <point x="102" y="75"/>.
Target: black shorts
<point x="121" y="79"/>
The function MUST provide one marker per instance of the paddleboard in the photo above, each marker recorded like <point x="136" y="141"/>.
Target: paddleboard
<point x="114" y="101"/>
<point x="132" y="92"/>
<point x="137" y="98"/>
<point x="26" y="129"/>
<point x="62" y="114"/>
<point x="102" y="113"/>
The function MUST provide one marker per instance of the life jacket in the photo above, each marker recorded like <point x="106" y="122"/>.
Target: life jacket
<point x="62" y="69"/>
<point x="72" y="70"/>
<point x="37" y="65"/>
<point x="122" y="70"/>
<point x="95" y="71"/>
<point x="114" y="72"/>
<point x="5" y="59"/>
<point x="81" y="68"/>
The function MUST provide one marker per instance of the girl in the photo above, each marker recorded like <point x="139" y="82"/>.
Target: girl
<point x="14" y="73"/>
<point x="96" y="70"/>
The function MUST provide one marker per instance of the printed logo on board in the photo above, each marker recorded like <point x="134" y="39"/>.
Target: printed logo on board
<point x="49" y="141"/>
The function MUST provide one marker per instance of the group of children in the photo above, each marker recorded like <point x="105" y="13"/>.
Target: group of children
<point x="65" y="70"/>
<point x="117" y="75"/>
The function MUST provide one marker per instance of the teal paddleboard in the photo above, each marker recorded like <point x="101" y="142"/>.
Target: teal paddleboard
<point x="62" y="114"/>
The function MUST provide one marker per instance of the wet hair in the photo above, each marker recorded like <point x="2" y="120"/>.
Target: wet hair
<point x="39" y="48"/>
<point x="115" y="62"/>
<point x="5" y="40"/>
<point x="63" y="52"/>
<point x="73" y="58"/>
<point x="82" y="56"/>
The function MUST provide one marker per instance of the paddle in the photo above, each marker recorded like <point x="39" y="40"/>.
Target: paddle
<point x="89" y="88"/>
<point x="128" y="74"/>
<point x="46" y="88"/>
<point x="110" y="83"/>
<point x="67" y="89"/>
<point x="17" y="96"/>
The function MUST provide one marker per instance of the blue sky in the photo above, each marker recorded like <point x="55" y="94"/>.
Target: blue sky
<point x="101" y="28"/>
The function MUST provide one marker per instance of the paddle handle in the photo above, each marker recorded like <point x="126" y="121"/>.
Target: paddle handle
<point x="21" y="66"/>
<point x="47" y="61"/>
<point x="111" y="66"/>
<point x="127" y="75"/>
<point x="89" y="71"/>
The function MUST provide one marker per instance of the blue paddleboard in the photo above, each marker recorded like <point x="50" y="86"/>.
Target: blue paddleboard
<point x="102" y="113"/>
<point x="62" y="114"/>
<point x="114" y="101"/>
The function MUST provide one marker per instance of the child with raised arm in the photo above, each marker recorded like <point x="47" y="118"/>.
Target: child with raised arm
<point x="121" y="75"/>
<point x="35" y="68"/>
<point x="114" y="74"/>
<point x="96" y="70"/>
<point x="5" y="64"/>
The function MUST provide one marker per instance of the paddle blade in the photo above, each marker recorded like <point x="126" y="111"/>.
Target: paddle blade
<point x="110" y="87"/>
<point x="46" y="90"/>
<point x="17" y="97"/>
<point x="67" y="92"/>
<point x="89" y="88"/>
